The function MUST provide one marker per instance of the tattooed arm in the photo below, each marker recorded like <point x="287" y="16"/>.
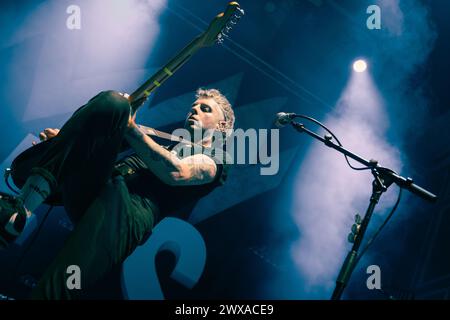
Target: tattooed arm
<point x="193" y="170"/>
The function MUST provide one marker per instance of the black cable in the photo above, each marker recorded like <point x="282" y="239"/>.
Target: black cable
<point x="332" y="134"/>
<point x="6" y="176"/>
<point x="36" y="233"/>
<point x="375" y="235"/>
<point x="370" y="241"/>
<point x="380" y="228"/>
<point x="394" y="208"/>
<point x="31" y="241"/>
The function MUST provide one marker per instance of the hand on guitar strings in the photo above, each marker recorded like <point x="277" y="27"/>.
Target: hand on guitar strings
<point x="48" y="133"/>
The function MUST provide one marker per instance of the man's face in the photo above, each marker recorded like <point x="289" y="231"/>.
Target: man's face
<point x="205" y="114"/>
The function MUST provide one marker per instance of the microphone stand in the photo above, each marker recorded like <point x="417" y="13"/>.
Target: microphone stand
<point x="383" y="178"/>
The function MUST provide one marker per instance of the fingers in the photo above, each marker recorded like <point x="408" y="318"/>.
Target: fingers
<point x="139" y="102"/>
<point x="125" y="95"/>
<point x="48" y="133"/>
<point x="42" y="136"/>
<point x="51" y="133"/>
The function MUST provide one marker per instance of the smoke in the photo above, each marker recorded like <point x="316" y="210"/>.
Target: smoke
<point x="392" y="16"/>
<point x="408" y="39"/>
<point x="119" y="31"/>
<point x="109" y="49"/>
<point x="367" y="118"/>
<point x="328" y="193"/>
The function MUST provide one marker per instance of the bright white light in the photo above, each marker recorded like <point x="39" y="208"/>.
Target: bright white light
<point x="359" y="66"/>
<point x="326" y="202"/>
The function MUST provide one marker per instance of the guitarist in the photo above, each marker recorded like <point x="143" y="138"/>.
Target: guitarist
<point x="113" y="205"/>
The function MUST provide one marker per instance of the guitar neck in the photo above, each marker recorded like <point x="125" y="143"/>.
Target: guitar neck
<point x="164" y="135"/>
<point x="156" y="133"/>
<point x="216" y="32"/>
<point x="165" y="72"/>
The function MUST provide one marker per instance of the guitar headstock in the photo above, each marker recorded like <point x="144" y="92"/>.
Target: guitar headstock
<point x="221" y="25"/>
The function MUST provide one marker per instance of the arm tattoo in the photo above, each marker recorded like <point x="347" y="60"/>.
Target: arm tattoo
<point x="191" y="170"/>
<point x="147" y="148"/>
<point x="201" y="170"/>
<point x="196" y="173"/>
<point x="156" y="156"/>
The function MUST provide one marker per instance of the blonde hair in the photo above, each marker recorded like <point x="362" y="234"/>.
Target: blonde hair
<point x="223" y="103"/>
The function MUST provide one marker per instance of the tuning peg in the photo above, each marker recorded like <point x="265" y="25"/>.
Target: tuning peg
<point x="351" y="237"/>
<point x="355" y="228"/>
<point x="236" y="17"/>
<point x="239" y="15"/>
<point x="229" y="25"/>
<point x="219" y="39"/>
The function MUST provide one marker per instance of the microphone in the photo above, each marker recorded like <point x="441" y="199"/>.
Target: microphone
<point x="282" y="119"/>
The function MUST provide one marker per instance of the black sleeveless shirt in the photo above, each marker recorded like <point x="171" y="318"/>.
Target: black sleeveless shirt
<point x="163" y="199"/>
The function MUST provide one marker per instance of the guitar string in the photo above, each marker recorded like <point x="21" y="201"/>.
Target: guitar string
<point x="254" y="56"/>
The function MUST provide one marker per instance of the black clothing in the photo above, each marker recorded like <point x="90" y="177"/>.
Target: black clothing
<point x="113" y="211"/>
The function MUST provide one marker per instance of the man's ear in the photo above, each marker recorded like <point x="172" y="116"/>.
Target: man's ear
<point x="222" y="125"/>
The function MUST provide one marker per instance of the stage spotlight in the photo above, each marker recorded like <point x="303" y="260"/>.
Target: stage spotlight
<point x="359" y="65"/>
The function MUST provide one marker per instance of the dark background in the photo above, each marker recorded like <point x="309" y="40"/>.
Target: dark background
<point x="287" y="55"/>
